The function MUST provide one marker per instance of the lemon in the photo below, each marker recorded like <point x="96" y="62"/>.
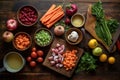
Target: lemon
<point x="103" y="57"/>
<point x="111" y="60"/>
<point x="92" y="43"/>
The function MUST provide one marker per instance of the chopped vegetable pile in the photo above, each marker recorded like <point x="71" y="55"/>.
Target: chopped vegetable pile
<point x="70" y="59"/>
<point x="56" y="57"/>
<point x="43" y="38"/>
<point x="22" y="41"/>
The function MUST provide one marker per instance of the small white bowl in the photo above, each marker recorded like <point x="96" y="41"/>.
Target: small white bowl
<point x="77" y="20"/>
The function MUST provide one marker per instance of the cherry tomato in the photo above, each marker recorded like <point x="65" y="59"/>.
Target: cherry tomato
<point x="32" y="63"/>
<point x="34" y="49"/>
<point x="40" y="59"/>
<point x="40" y="53"/>
<point x="34" y="54"/>
<point x="29" y="58"/>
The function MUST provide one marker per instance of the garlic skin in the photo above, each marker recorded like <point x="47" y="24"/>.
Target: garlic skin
<point x="73" y="36"/>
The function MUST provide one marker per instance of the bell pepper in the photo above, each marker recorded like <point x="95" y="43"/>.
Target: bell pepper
<point x="118" y="45"/>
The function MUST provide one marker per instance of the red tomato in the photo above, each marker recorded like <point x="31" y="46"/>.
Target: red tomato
<point x="32" y="63"/>
<point x="34" y="54"/>
<point x="40" y="59"/>
<point x="34" y="49"/>
<point x="40" y="53"/>
<point x="29" y="58"/>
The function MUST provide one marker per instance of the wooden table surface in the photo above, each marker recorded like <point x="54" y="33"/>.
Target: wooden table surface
<point x="104" y="71"/>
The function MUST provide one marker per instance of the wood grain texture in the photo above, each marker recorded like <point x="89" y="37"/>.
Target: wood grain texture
<point x="67" y="47"/>
<point x="8" y="9"/>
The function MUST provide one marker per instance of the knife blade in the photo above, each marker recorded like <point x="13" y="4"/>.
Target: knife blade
<point x="115" y="37"/>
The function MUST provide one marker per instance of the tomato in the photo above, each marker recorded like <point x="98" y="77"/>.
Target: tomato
<point x="34" y="54"/>
<point x="40" y="53"/>
<point x="34" y="49"/>
<point x="32" y="63"/>
<point x="40" y="59"/>
<point x="29" y="58"/>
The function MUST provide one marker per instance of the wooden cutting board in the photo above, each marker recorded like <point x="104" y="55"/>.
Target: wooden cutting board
<point x="67" y="47"/>
<point x="90" y="26"/>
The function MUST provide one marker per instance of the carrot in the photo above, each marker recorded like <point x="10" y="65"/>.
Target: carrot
<point x="69" y="59"/>
<point x="55" y="9"/>
<point x="55" y="17"/>
<point x="51" y="8"/>
<point x="22" y="41"/>
<point x="48" y="17"/>
<point x="50" y="24"/>
<point x="52" y="16"/>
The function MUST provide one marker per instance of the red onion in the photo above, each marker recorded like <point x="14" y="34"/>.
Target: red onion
<point x="11" y="24"/>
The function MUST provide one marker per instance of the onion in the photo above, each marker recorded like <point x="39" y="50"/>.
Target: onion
<point x="52" y="63"/>
<point x="11" y="24"/>
<point x="57" y="45"/>
<point x="50" y="58"/>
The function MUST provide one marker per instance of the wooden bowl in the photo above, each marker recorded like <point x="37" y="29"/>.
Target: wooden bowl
<point x="24" y="13"/>
<point x="79" y="34"/>
<point x="39" y="39"/>
<point x="17" y="41"/>
<point x="77" y="20"/>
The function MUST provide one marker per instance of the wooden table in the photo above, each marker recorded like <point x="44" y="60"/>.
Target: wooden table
<point x="8" y="9"/>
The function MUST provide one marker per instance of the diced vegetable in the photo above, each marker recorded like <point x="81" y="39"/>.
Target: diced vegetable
<point x="43" y="38"/>
<point x="70" y="59"/>
<point x="56" y="57"/>
<point x="22" y="41"/>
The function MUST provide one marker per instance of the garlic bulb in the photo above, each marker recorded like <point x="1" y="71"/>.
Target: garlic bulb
<point x="73" y="36"/>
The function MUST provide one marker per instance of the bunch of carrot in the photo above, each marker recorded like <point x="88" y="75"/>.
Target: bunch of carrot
<point x="54" y="14"/>
<point x="70" y="59"/>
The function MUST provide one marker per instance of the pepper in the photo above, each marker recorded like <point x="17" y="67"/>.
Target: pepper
<point x="118" y="45"/>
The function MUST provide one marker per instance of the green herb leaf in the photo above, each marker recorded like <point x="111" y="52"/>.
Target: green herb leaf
<point x="86" y="63"/>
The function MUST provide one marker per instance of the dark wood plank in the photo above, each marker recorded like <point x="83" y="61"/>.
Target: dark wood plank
<point x="8" y="9"/>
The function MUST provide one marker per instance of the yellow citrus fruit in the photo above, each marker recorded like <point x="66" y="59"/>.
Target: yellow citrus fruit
<point x="111" y="60"/>
<point x="103" y="57"/>
<point x="92" y="43"/>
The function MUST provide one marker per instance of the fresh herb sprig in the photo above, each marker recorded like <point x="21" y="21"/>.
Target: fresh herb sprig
<point x="87" y="63"/>
<point x="101" y="28"/>
<point x="113" y="24"/>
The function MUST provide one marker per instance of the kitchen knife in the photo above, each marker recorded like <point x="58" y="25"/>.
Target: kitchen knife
<point x="115" y="37"/>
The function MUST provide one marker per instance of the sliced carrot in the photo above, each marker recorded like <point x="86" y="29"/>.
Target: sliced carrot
<point x="51" y="8"/>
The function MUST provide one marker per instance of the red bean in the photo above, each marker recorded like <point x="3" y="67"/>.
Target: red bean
<point x="27" y="15"/>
